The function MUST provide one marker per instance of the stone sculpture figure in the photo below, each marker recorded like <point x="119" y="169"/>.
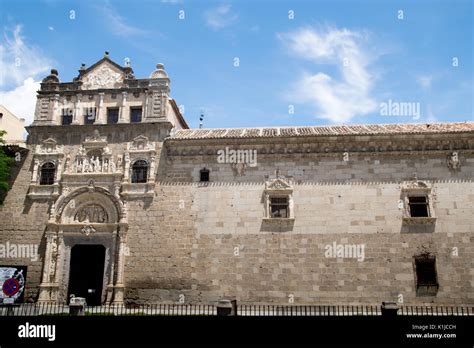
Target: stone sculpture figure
<point x="112" y="166"/>
<point x="92" y="165"/>
<point x="119" y="162"/>
<point x="453" y="161"/>
<point x="79" y="166"/>
<point x="98" y="167"/>
<point x="85" y="165"/>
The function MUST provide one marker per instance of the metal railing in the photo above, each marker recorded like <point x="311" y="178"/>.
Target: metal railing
<point x="286" y="310"/>
<point x="242" y="310"/>
<point x="107" y="310"/>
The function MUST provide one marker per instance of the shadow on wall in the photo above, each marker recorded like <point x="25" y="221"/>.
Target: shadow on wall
<point x="18" y="154"/>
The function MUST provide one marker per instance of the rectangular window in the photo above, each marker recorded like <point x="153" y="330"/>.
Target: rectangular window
<point x="204" y="175"/>
<point x="112" y="115"/>
<point x="418" y="206"/>
<point x="426" y="277"/>
<point x="89" y="115"/>
<point x="66" y="116"/>
<point x="279" y="207"/>
<point x="135" y="114"/>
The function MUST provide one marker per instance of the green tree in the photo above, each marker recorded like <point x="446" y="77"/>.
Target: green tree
<point x="5" y="163"/>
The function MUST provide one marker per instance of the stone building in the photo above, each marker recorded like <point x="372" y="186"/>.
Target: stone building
<point x="13" y="126"/>
<point x="127" y="204"/>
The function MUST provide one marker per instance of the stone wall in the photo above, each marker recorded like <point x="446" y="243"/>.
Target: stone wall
<point x="208" y="241"/>
<point x="199" y="242"/>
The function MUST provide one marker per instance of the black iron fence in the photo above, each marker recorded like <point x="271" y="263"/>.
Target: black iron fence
<point x="242" y="310"/>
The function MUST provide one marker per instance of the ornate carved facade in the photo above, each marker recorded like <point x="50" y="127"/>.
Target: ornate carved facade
<point x="113" y="163"/>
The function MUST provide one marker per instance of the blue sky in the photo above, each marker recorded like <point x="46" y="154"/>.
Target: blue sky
<point x="299" y="62"/>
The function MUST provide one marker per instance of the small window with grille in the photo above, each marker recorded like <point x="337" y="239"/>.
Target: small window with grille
<point x="426" y="276"/>
<point x="418" y="206"/>
<point x="47" y="173"/>
<point x="140" y="172"/>
<point x="204" y="175"/>
<point x="279" y="207"/>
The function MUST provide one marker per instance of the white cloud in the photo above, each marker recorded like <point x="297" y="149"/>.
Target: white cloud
<point x="117" y="23"/>
<point x="335" y="99"/>
<point x="21" y="101"/>
<point x="220" y="17"/>
<point x="19" y="61"/>
<point x="21" y="66"/>
<point x="424" y="81"/>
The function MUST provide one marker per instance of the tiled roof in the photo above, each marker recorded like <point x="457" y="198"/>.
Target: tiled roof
<point x="370" y="129"/>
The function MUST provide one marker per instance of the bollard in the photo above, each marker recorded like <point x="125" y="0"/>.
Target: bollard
<point x="227" y="308"/>
<point x="389" y="309"/>
<point x="77" y="306"/>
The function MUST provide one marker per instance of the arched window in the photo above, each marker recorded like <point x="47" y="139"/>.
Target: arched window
<point x="139" y="171"/>
<point x="48" y="170"/>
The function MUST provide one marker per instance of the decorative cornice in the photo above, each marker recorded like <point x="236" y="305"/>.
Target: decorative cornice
<point x="315" y="131"/>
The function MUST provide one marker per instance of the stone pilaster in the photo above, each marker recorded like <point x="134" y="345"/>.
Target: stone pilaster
<point x="77" y="109"/>
<point x="55" y="114"/>
<point x="119" y="287"/>
<point x="124" y="116"/>
<point x="101" y="110"/>
<point x="48" y="287"/>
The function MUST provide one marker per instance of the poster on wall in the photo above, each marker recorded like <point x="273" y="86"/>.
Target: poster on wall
<point x="12" y="282"/>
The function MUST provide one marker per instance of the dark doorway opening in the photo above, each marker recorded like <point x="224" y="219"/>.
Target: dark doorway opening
<point x="86" y="274"/>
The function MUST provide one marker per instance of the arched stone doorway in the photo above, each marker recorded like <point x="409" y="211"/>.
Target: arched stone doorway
<point x="89" y="218"/>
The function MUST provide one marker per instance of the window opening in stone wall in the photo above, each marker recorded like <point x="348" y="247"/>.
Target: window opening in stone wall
<point x="135" y="114"/>
<point x="418" y="206"/>
<point x="66" y="116"/>
<point x="112" y="115"/>
<point x="89" y="115"/>
<point x="426" y="277"/>
<point x="279" y="207"/>
<point x="140" y="172"/>
<point x="204" y="175"/>
<point x="47" y="173"/>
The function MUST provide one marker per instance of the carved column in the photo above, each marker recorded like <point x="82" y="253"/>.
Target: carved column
<point x="126" y="172"/>
<point x="119" y="287"/>
<point x="164" y="99"/>
<point x="110" y="285"/>
<point x="100" y="110"/>
<point x="57" y="175"/>
<point x="290" y="206"/>
<point x="77" y="109"/>
<point x="145" y="112"/>
<point x="59" y="253"/>
<point x="48" y="289"/>
<point x="124" y="116"/>
<point x="151" y="177"/>
<point x="34" y="178"/>
<point x="56" y="112"/>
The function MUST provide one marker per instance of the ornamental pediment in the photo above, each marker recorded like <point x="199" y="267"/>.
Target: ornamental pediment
<point x="278" y="184"/>
<point x="141" y="143"/>
<point x="49" y="146"/>
<point x="416" y="185"/>
<point x="105" y="75"/>
<point x="95" y="140"/>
